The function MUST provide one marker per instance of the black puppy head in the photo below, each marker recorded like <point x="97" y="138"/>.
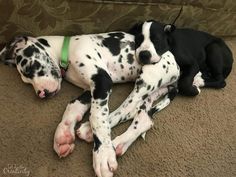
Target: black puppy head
<point x="34" y="64"/>
<point x="150" y="41"/>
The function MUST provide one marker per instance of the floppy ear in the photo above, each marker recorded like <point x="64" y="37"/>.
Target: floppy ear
<point x="137" y="28"/>
<point x="7" y="55"/>
<point x="168" y="28"/>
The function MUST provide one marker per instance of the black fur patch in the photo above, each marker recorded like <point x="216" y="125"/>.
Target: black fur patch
<point x="24" y="61"/>
<point x="159" y="83"/>
<point x="120" y="59"/>
<point x="102" y="83"/>
<point x="143" y="106"/>
<point x="85" y="98"/>
<point x="88" y="56"/>
<point x="39" y="45"/>
<point x="145" y="96"/>
<point x="99" y="55"/>
<point x="103" y="103"/>
<point x="41" y="73"/>
<point x="81" y="65"/>
<point x="18" y="59"/>
<point x="113" y="42"/>
<point x="130" y="58"/>
<point x="97" y="142"/>
<point x="29" y="51"/>
<point x="44" y="42"/>
<point x="152" y="111"/>
<point x="139" y="82"/>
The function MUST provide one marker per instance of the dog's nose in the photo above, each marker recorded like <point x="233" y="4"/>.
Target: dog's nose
<point x="44" y="93"/>
<point x="145" y="57"/>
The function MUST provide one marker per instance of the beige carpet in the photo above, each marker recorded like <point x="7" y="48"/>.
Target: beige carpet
<point x="193" y="137"/>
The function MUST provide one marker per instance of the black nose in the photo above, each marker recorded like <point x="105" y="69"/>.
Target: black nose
<point x="46" y="93"/>
<point x="145" y="57"/>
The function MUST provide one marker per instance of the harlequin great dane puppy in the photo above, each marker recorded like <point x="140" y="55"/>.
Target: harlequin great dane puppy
<point x="196" y="52"/>
<point x="95" y="62"/>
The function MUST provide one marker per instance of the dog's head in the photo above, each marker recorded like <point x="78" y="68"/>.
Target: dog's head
<point x="34" y="64"/>
<point x="151" y="41"/>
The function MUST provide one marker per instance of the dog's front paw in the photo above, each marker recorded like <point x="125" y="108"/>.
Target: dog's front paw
<point x="64" y="139"/>
<point x="104" y="161"/>
<point x="84" y="132"/>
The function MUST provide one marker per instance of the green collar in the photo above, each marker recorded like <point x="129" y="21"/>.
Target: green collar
<point x="64" y="55"/>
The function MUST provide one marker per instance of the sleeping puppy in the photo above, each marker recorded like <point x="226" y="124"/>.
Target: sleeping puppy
<point x="204" y="60"/>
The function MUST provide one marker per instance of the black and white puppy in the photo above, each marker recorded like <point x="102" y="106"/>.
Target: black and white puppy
<point x="204" y="60"/>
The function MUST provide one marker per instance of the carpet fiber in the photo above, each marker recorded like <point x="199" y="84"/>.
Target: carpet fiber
<point x="192" y="137"/>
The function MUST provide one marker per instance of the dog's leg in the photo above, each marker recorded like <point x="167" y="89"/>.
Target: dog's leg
<point x="85" y="132"/>
<point x="145" y="84"/>
<point x="186" y="82"/>
<point x="65" y="134"/>
<point x="104" y="157"/>
<point x="142" y="121"/>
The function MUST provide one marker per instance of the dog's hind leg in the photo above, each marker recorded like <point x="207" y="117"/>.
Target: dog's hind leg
<point x="142" y="121"/>
<point x="65" y="133"/>
<point x="219" y="60"/>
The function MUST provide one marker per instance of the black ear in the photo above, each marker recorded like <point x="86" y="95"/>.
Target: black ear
<point x="168" y="28"/>
<point x="137" y="28"/>
<point x="7" y="55"/>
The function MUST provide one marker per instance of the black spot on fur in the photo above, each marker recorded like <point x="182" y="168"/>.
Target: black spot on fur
<point x="97" y="142"/>
<point x="132" y="45"/>
<point x="113" y="42"/>
<point x="103" y="103"/>
<point x="152" y="111"/>
<point x="164" y="66"/>
<point x="81" y="65"/>
<point x="145" y="96"/>
<point x="148" y="87"/>
<point x="122" y="66"/>
<point x="122" y="78"/>
<point x="168" y="62"/>
<point x="36" y="65"/>
<point x="85" y="98"/>
<point x="41" y="73"/>
<point x="139" y="82"/>
<point x="99" y="55"/>
<point x="29" y="51"/>
<point x="159" y="83"/>
<point x="24" y="61"/>
<point x="18" y="59"/>
<point x="130" y="58"/>
<point x="136" y="122"/>
<point x="55" y="74"/>
<point x="126" y="50"/>
<point x="44" y="42"/>
<point x="120" y="59"/>
<point x="143" y="106"/>
<point x="39" y="45"/>
<point x="130" y="101"/>
<point x="88" y="56"/>
<point x="103" y="83"/>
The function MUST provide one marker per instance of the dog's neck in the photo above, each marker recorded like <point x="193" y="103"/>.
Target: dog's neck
<point x="55" y="48"/>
